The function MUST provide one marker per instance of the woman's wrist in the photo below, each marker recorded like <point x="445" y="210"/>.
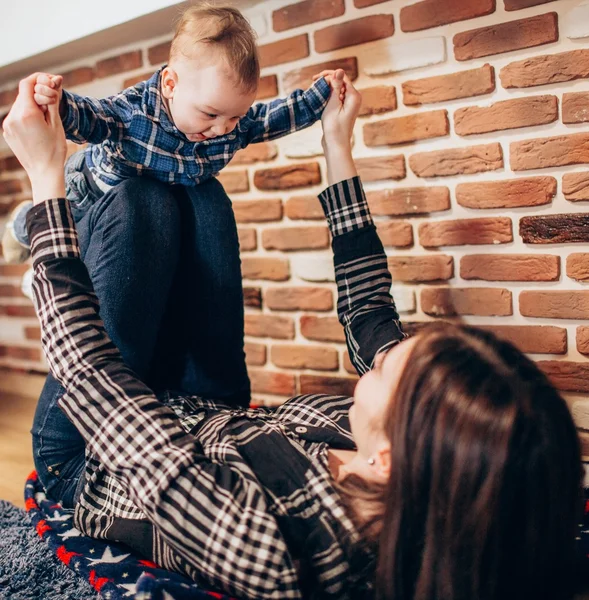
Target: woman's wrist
<point x="47" y="185"/>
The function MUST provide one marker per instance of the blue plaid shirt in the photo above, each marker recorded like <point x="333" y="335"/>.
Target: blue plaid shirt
<point x="132" y="134"/>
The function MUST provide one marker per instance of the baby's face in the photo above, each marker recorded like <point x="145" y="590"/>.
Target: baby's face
<point x="204" y="102"/>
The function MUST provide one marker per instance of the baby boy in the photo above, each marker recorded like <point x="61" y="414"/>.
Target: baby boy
<point x="181" y="126"/>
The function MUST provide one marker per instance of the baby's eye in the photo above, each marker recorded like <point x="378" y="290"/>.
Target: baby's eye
<point x="211" y="116"/>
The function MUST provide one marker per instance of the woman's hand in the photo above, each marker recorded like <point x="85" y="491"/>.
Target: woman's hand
<point x="341" y="111"/>
<point x="38" y="141"/>
<point x="338" y="121"/>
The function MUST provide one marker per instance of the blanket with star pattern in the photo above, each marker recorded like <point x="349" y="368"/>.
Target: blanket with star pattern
<point x="110" y="568"/>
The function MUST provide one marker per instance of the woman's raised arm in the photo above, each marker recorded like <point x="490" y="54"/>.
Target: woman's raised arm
<point x="365" y="306"/>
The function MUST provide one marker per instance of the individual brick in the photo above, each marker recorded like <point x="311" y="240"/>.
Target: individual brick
<point x="542" y="70"/>
<point x="578" y="266"/>
<point x="257" y="211"/>
<point x="17" y="310"/>
<point x="131" y="81"/>
<point x="8" y="96"/>
<point x="304" y="356"/>
<point x="316" y="268"/>
<point x="404" y="130"/>
<point x="378" y="99"/>
<point x="583" y="339"/>
<point x="322" y="329"/>
<point x="447" y="302"/>
<point x="9" y="187"/>
<point x="303" y="207"/>
<point x="347" y="364"/>
<point x="247" y="238"/>
<point x="433" y="13"/>
<point x="252" y="297"/>
<point x="409" y="54"/>
<point x="557" y="151"/>
<point x="303" y="77"/>
<point x="78" y="76"/>
<point x="33" y="333"/>
<point x="263" y="267"/>
<point x="299" y="298"/>
<point x="10" y="291"/>
<point x="159" y="53"/>
<point x="14" y="270"/>
<point x="255" y="153"/>
<point x="272" y="382"/>
<point x="555" y="229"/>
<point x="397" y="234"/>
<point x="255" y="354"/>
<point x="555" y="304"/>
<point x="259" y="325"/>
<point x="510" y="267"/>
<point x="9" y="163"/>
<point x="532" y="339"/>
<point x="295" y="238"/>
<point x="355" y="32"/>
<point x="378" y="168"/>
<point x="284" y="51"/>
<point x="575" y="108"/>
<point x="457" y="161"/>
<point x="419" y="269"/>
<point x="506" y="37"/>
<point x="441" y="88"/>
<point x="20" y="353"/>
<point x="511" y="193"/>
<point x="508" y="114"/>
<point x="575" y="22"/>
<point x="462" y="232"/>
<point x="267" y="87"/>
<point x="119" y="64"/>
<point x="567" y="376"/>
<point x="306" y="12"/>
<point x="575" y="186"/>
<point x="234" y="182"/>
<point x="365" y="3"/>
<point x="408" y="201"/>
<point x="318" y="384"/>
<point x="288" y="177"/>
<point x="519" y="4"/>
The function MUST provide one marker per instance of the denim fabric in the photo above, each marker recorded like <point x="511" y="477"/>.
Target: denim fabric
<point x="77" y="191"/>
<point x="164" y="262"/>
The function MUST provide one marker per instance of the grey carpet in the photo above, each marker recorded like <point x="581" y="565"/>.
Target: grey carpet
<point x="28" y="569"/>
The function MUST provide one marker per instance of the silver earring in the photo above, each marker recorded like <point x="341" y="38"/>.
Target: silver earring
<point x="371" y="461"/>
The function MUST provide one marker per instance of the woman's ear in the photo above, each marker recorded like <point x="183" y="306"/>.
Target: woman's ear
<point x="169" y="82"/>
<point x="382" y="461"/>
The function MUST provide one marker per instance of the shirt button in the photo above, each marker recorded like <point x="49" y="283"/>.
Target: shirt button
<point x="301" y="429"/>
<point x="50" y="469"/>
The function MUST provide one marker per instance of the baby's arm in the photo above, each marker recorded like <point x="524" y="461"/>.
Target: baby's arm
<point x="285" y="115"/>
<point x="84" y="119"/>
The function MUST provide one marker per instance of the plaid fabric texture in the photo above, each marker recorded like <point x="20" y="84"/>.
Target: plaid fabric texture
<point x="131" y="133"/>
<point x="234" y="502"/>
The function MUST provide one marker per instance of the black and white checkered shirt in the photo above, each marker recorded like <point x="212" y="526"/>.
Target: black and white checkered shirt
<point x="240" y="500"/>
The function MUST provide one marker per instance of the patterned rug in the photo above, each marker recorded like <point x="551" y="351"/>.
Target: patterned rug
<point x="109" y="568"/>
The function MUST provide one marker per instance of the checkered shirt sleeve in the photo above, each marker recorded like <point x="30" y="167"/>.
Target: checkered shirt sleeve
<point x="209" y="513"/>
<point x="92" y="120"/>
<point x="283" y="116"/>
<point x="365" y="306"/>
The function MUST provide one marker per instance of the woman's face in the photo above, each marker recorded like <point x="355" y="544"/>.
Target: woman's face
<point x="373" y="396"/>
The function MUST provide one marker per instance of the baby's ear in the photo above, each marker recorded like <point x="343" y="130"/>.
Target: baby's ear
<point x="169" y="82"/>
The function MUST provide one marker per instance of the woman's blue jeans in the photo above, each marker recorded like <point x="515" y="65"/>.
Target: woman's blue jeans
<point x="164" y="262"/>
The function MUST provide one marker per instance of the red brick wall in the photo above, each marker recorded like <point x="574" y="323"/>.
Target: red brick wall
<point x="473" y="143"/>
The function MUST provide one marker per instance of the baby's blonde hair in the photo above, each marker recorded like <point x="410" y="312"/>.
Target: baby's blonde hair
<point x="225" y="29"/>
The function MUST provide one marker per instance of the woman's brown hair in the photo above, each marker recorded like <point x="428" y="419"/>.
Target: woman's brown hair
<point x="484" y="494"/>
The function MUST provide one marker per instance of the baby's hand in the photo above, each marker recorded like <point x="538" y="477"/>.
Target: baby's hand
<point x="329" y="77"/>
<point x="47" y="89"/>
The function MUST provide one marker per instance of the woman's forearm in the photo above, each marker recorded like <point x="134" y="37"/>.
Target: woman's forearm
<point x="340" y="164"/>
<point x="48" y="185"/>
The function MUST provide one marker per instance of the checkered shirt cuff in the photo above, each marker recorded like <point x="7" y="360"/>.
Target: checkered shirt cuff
<point x="52" y="231"/>
<point x="318" y="95"/>
<point x="71" y="119"/>
<point x="345" y="206"/>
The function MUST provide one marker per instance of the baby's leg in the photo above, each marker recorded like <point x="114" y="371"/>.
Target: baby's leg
<point x="129" y="240"/>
